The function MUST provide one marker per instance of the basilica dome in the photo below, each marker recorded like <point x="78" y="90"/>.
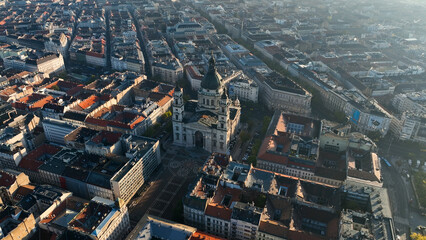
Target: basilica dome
<point x="211" y="80"/>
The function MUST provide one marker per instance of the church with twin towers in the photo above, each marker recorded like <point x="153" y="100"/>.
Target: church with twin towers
<point x="208" y="122"/>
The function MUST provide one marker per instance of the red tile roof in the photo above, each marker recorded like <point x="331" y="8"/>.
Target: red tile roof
<point x="101" y="112"/>
<point x="96" y="121"/>
<point x="89" y="217"/>
<point x="61" y="208"/>
<point x="73" y="91"/>
<point x="125" y="120"/>
<point x="22" y="191"/>
<point x="218" y="211"/>
<point x="331" y="219"/>
<point x="31" y="98"/>
<point x="109" y="137"/>
<point x="299" y="234"/>
<point x="274" y="228"/>
<point x="88" y="102"/>
<point x="63" y="85"/>
<point x="9" y="91"/>
<point x="164" y="100"/>
<point x="190" y="70"/>
<point x="19" y="75"/>
<point x="221" y="192"/>
<point x="40" y="103"/>
<point x="6" y="179"/>
<point x="204" y="236"/>
<point x="32" y="102"/>
<point x="105" y="97"/>
<point x="266" y="155"/>
<point x="95" y="54"/>
<point x="31" y="160"/>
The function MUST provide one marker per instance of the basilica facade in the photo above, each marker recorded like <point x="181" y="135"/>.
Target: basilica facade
<point x="208" y="122"/>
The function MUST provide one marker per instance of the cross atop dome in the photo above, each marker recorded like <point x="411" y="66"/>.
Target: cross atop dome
<point x="212" y="79"/>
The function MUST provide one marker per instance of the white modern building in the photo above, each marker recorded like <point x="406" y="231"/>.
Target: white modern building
<point x="411" y="127"/>
<point x="52" y="63"/>
<point x="55" y="130"/>
<point x="245" y="89"/>
<point x="145" y="156"/>
<point x="410" y="102"/>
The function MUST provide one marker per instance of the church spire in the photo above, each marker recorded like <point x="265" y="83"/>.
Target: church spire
<point x="177" y="87"/>
<point x="211" y="80"/>
<point x="212" y="64"/>
<point x="224" y="95"/>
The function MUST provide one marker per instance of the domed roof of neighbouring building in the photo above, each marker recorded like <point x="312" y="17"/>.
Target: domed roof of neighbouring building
<point x="211" y="80"/>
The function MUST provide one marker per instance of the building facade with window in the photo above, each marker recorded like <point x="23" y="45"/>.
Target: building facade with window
<point x="208" y="122"/>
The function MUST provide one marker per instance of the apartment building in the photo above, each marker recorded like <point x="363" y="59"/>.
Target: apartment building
<point x="102" y="219"/>
<point x="145" y="156"/>
<point x="244" y="89"/>
<point x="55" y="129"/>
<point x="291" y="146"/>
<point x="245" y="221"/>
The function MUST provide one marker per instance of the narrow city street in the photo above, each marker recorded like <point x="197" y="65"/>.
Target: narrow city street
<point x="108" y="39"/>
<point x="240" y="148"/>
<point x="398" y="197"/>
<point x="402" y="199"/>
<point x="141" y="42"/>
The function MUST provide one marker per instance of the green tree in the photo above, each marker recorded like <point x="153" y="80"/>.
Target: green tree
<point x="55" y="87"/>
<point x="63" y="75"/>
<point x="260" y="201"/>
<point x="411" y="155"/>
<point x="250" y="124"/>
<point x="374" y="135"/>
<point x="419" y="180"/>
<point x="252" y="160"/>
<point x="156" y="126"/>
<point x="91" y="79"/>
<point x="256" y="147"/>
<point x="265" y="124"/>
<point x="244" y="136"/>
<point x="186" y="97"/>
<point x="169" y="127"/>
<point x="417" y="236"/>
<point x="339" y="116"/>
<point x="149" y="132"/>
<point x="166" y="116"/>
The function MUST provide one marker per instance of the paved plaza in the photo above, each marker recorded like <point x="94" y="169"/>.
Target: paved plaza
<point x="178" y="169"/>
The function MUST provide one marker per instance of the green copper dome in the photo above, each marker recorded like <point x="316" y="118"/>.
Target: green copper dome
<point x="211" y="80"/>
